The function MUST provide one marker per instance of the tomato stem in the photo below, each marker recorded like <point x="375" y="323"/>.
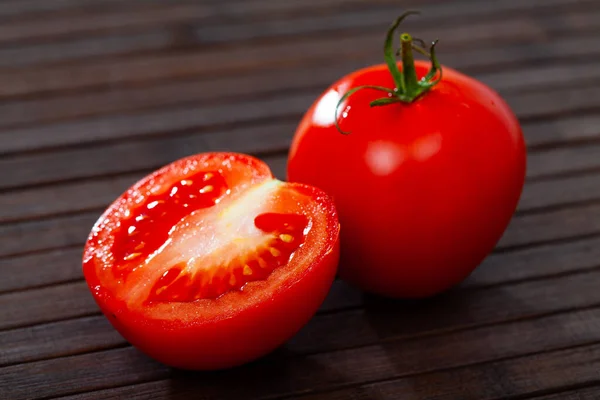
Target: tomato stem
<point x="407" y="85"/>
<point x="409" y="73"/>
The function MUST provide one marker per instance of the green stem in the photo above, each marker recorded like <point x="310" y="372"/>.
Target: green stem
<point x="407" y="86"/>
<point x="409" y="74"/>
<point x="388" y="52"/>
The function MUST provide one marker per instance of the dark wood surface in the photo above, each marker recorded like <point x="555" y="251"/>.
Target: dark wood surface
<point x="94" y="94"/>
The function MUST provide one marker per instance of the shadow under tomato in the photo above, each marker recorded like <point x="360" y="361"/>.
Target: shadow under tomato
<point x="278" y="373"/>
<point x="454" y="329"/>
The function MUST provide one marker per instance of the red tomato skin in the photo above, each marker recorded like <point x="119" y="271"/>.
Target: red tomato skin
<point x="425" y="190"/>
<point x="236" y="340"/>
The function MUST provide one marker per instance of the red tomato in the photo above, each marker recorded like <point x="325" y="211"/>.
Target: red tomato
<point x="210" y="262"/>
<point x="425" y="185"/>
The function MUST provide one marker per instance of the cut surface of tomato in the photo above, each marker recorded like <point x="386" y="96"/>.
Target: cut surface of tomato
<point x="195" y="261"/>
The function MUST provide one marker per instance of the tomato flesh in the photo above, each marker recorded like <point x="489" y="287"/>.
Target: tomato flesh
<point x="182" y="283"/>
<point x="143" y="233"/>
<point x="192" y="262"/>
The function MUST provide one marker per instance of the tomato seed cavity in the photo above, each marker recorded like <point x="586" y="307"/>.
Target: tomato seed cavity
<point x="184" y="284"/>
<point x="142" y="234"/>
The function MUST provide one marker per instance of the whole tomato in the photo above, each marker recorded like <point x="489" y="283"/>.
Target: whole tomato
<point x="425" y="178"/>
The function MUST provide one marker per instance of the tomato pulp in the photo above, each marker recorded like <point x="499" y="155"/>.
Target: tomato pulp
<point x="424" y="188"/>
<point x="210" y="262"/>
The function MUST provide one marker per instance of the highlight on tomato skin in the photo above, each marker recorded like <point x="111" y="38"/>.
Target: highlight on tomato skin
<point x="211" y="262"/>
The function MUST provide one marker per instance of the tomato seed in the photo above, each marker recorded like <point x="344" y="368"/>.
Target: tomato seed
<point x="286" y="237"/>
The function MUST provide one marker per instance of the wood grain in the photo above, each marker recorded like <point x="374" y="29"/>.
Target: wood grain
<point x="295" y="375"/>
<point x="102" y="19"/>
<point x="269" y="56"/>
<point x="587" y="393"/>
<point x="46" y="268"/>
<point x="550" y="20"/>
<point x="110" y="45"/>
<point x="313" y="78"/>
<point x="511" y="378"/>
<point x="95" y="94"/>
<point x="45" y="305"/>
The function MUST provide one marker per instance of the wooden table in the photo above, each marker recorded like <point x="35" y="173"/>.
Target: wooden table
<point x="96" y="93"/>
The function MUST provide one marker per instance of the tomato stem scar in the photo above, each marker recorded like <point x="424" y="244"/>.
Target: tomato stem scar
<point x="407" y="85"/>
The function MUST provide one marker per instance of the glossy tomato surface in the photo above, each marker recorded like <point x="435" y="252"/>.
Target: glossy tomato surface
<point x="210" y="262"/>
<point x="424" y="190"/>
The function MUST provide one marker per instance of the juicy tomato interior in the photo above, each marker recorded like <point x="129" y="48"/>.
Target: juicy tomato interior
<point x="199" y="230"/>
<point x="148" y="228"/>
<point x="283" y="234"/>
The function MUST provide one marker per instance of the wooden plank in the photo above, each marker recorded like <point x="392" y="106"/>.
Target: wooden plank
<point x="46" y="305"/>
<point x="500" y="380"/>
<point x="255" y="86"/>
<point x="154" y="123"/>
<point x="530" y="229"/>
<point x="147" y="16"/>
<point x="587" y="393"/>
<point x="53" y="377"/>
<point x="326" y="371"/>
<point x="104" y="20"/>
<point x="64" y="11"/>
<point x="516" y="27"/>
<point x="540" y="195"/>
<point x="9" y="8"/>
<point x="112" y="45"/>
<point x="551" y="103"/>
<point x="34" y="270"/>
<point x="536" y="262"/>
<point x="561" y="161"/>
<point x="382" y="320"/>
<point x="49" y="234"/>
<point x="548" y="18"/>
<point x="556" y="132"/>
<point x="58" y="339"/>
<point x="268" y="56"/>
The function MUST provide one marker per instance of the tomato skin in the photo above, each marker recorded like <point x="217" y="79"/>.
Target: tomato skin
<point x="235" y="340"/>
<point x="239" y="326"/>
<point x="424" y="190"/>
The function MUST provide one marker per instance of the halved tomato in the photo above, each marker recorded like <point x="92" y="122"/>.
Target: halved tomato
<point x="210" y="262"/>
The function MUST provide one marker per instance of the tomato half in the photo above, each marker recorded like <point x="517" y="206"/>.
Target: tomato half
<point x="424" y="187"/>
<point x="210" y="262"/>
